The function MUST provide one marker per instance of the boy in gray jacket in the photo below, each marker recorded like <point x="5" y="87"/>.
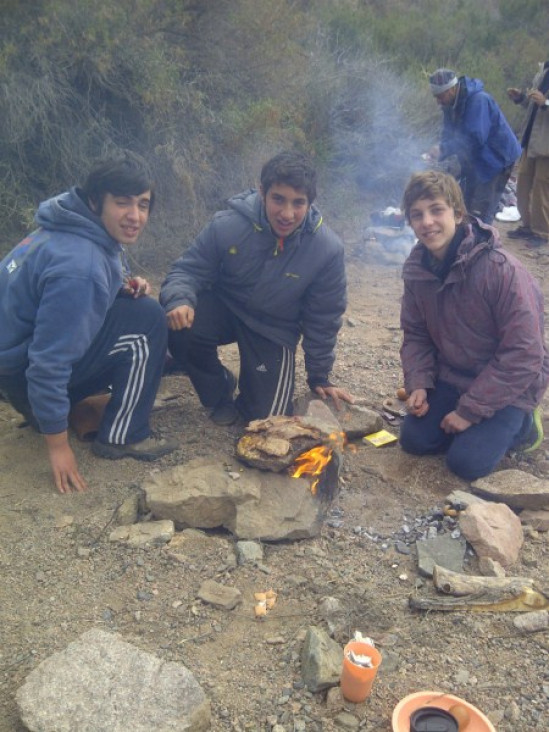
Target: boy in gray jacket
<point x="262" y="273"/>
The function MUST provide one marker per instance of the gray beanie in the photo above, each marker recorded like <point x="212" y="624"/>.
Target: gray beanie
<point x="441" y="80"/>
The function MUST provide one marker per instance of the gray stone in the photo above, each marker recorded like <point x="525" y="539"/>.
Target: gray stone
<point x="321" y="660"/>
<point x="490" y="568"/>
<point x="148" y="532"/>
<point x="515" y="488"/>
<point x="345" y="720"/>
<point x="441" y="550"/>
<point x="128" y="511"/>
<point x="319" y="415"/>
<point x="100" y="682"/>
<point x="355" y="420"/>
<point x="286" y="510"/>
<point x="334" y="613"/>
<point x="463" y="498"/>
<point x="493" y="530"/>
<point x="219" y="595"/>
<point x="249" y="552"/>
<point x="200" y="494"/>
<point x="533" y="621"/>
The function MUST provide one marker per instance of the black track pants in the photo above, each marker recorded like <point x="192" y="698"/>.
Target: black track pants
<point x="127" y="356"/>
<point x="267" y="370"/>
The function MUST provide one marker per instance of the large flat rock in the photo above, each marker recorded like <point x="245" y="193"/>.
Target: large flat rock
<point x="100" y="682"/>
<point x="515" y="488"/>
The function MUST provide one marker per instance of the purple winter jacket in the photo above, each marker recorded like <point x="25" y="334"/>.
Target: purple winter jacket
<point x="481" y="329"/>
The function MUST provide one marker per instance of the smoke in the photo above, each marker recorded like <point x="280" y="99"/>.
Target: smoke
<point x="382" y="123"/>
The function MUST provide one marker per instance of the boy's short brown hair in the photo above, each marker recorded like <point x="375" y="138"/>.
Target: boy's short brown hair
<point x="433" y="184"/>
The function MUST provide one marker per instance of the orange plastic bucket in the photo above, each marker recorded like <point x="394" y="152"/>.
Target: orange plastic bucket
<point x="356" y="681"/>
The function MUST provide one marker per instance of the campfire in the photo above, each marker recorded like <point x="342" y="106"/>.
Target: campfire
<point x="297" y="447"/>
<point x="315" y="461"/>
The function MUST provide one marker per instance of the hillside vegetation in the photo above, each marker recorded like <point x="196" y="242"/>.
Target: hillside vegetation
<point x="206" y="91"/>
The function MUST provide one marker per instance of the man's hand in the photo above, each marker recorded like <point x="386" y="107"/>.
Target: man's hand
<point x="336" y="393"/>
<point x="63" y="464"/>
<point x="417" y="403"/>
<point x="181" y="317"/>
<point x="453" y="423"/>
<point x="514" y="94"/>
<point x="537" y="97"/>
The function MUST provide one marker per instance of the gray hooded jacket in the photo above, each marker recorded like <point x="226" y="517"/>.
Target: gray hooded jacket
<point x="282" y="289"/>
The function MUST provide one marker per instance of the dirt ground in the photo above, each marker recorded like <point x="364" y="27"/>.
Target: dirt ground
<point x="61" y="576"/>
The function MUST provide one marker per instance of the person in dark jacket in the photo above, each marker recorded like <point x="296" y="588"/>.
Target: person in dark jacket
<point x="475" y="131"/>
<point x="533" y="171"/>
<point x="262" y="274"/>
<point x="74" y="323"/>
<point x="473" y="353"/>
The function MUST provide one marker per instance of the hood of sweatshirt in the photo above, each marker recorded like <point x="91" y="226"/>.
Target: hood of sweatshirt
<point x="68" y="213"/>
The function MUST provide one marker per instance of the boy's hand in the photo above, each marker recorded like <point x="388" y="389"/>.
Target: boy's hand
<point x="137" y="287"/>
<point x="453" y="423"/>
<point x="63" y="464"/>
<point x="417" y="403"/>
<point x="336" y="393"/>
<point x="181" y="317"/>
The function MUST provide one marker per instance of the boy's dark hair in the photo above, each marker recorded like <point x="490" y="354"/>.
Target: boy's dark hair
<point x="291" y="169"/>
<point x="431" y="184"/>
<point x="126" y="174"/>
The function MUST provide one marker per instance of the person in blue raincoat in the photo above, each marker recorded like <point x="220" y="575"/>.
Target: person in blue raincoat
<point x="475" y="131"/>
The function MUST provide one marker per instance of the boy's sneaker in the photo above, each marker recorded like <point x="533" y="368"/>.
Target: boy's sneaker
<point x="521" y="232"/>
<point x="535" y="436"/>
<point x="225" y="412"/>
<point x="149" y="449"/>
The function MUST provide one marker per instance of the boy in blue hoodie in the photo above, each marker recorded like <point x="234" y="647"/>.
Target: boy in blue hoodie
<point x="74" y="322"/>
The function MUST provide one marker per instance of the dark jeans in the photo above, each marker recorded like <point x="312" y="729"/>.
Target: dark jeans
<point x="482" y="199"/>
<point x="127" y="356"/>
<point x="470" y="454"/>
<point x="267" y="370"/>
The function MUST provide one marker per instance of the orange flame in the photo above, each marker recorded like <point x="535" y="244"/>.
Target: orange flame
<point x="313" y="463"/>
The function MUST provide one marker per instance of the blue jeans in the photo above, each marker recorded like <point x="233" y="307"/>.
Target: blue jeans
<point x="470" y="454"/>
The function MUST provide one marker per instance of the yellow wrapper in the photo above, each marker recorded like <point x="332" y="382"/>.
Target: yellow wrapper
<point x="381" y="438"/>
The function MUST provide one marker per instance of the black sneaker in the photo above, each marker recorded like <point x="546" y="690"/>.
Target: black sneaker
<point x="521" y="232"/>
<point x="225" y="412"/>
<point x="149" y="449"/>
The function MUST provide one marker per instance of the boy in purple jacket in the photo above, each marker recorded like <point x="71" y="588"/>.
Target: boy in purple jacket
<point x="473" y="353"/>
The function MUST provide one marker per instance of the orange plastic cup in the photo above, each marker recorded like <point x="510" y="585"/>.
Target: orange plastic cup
<point x="356" y="681"/>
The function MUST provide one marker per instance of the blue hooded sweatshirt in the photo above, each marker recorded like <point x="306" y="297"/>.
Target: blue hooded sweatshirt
<point x="55" y="289"/>
<point x="475" y="130"/>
